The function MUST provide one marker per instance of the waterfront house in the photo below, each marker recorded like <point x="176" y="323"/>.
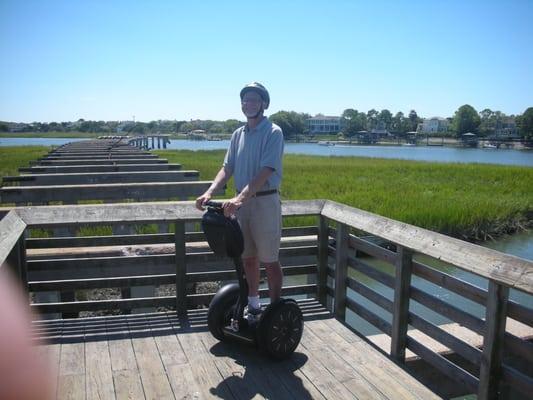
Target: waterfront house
<point x="324" y="124"/>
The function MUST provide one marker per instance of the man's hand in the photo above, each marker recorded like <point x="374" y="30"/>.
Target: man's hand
<point x="231" y="206"/>
<point x="200" y="201"/>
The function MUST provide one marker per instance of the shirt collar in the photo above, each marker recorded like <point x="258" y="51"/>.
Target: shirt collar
<point x="259" y="125"/>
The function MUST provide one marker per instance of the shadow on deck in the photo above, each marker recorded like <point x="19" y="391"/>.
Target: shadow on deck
<point x="161" y="356"/>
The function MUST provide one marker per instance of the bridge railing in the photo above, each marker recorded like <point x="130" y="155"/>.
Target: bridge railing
<point x="352" y="267"/>
<point x="354" y="252"/>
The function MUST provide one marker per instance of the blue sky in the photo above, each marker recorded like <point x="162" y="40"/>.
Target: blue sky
<point x="110" y="60"/>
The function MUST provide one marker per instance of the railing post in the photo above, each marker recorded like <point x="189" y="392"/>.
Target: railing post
<point x="17" y="262"/>
<point x="341" y="269"/>
<point x="322" y="260"/>
<point x="181" y="269"/>
<point x="491" y="359"/>
<point x="402" y="284"/>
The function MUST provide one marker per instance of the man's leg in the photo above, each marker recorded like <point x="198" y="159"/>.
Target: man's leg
<point x="275" y="280"/>
<point x="251" y="269"/>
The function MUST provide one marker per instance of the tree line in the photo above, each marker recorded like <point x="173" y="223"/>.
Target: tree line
<point x="466" y="119"/>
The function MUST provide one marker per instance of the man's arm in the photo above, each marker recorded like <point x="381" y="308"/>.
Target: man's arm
<point x="220" y="180"/>
<point x="231" y="206"/>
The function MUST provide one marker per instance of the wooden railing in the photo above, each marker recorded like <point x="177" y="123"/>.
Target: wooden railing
<point x="341" y="250"/>
<point x="503" y="272"/>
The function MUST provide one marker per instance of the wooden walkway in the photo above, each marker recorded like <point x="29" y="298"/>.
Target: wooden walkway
<point x="158" y="356"/>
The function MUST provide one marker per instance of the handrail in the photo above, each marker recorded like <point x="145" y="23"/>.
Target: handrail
<point x="511" y="271"/>
<point x="11" y="229"/>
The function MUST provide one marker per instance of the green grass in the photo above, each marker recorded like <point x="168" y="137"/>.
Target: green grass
<point x="465" y="200"/>
<point x="53" y="134"/>
<point x="12" y="158"/>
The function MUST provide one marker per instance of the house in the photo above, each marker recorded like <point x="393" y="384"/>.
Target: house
<point x="324" y="124"/>
<point x="434" y="125"/>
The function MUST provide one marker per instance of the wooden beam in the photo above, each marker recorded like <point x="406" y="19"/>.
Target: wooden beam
<point x="113" y="191"/>
<point x="102" y="178"/>
<point x="100" y="162"/>
<point x="491" y="359"/>
<point x="150" y="212"/>
<point x="11" y="229"/>
<point x="50" y="169"/>
<point x="400" y="313"/>
<point x="323" y="242"/>
<point x="181" y="269"/>
<point x="341" y="268"/>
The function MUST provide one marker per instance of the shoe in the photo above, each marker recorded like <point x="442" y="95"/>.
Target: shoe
<point x="252" y="315"/>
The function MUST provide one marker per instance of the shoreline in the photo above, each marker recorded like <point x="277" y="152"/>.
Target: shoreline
<point x="446" y="142"/>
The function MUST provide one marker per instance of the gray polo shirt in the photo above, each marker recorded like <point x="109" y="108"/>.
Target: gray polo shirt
<point x="252" y="149"/>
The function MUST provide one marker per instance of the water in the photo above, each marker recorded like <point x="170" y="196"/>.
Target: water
<point x="36" y="141"/>
<point x="520" y="245"/>
<point x="419" y="153"/>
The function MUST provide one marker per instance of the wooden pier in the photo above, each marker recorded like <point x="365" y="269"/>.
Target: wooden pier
<point x="331" y="268"/>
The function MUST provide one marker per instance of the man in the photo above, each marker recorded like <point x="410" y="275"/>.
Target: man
<point x="254" y="160"/>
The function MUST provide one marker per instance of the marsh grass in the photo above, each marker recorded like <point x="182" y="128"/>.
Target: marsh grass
<point x="465" y="200"/>
<point x="12" y="158"/>
<point x="472" y="201"/>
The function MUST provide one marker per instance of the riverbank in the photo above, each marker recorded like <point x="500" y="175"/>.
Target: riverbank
<point x="53" y="135"/>
<point x="469" y="201"/>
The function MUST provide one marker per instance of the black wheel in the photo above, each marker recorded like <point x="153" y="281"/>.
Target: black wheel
<point x="221" y="309"/>
<point x="280" y="329"/>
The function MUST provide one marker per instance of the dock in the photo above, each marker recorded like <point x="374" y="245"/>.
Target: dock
<point x="155" y="343"/>
<point x="160" y="356"/>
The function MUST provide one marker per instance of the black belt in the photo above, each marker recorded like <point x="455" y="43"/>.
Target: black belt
<point x="263" y="193"/>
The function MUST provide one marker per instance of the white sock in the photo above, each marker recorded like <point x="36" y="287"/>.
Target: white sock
<point x="253" y="302"/>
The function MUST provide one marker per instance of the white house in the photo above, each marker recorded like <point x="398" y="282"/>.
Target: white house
<point x="434" y="125"/>
<point x="324" y="124"/>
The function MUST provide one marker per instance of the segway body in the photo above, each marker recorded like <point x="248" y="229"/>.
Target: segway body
<point x="279" y="329"/>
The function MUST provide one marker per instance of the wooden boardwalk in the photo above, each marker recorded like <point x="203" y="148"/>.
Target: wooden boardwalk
<point x="158" y="356"/>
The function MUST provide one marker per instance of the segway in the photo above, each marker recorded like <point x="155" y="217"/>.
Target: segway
<point x="279" y="328"/>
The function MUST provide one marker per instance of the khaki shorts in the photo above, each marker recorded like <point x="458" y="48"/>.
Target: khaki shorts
<point x="260" y="221"/>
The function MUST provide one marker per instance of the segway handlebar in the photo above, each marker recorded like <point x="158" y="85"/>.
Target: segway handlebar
<point x="217" y="205"/>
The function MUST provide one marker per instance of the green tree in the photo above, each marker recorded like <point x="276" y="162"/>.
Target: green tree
<point x="384" y="119"/>
<point x="414" y="120"/>
<point x="466" y="119"/>
<point x="353" y="121"/>
<point x="371" y="119"/>
<point x="290" y="122"/>
<point x="525" y="124"/>
<point x="400" y="125"/>
<point x="231" y="124"/>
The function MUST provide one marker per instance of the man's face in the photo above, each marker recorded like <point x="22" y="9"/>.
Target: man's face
<point x="252" y="104"/>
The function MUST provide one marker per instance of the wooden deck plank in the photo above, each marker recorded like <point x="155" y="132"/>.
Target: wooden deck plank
<point x="50" y="354"/>
<point x="151" y="369"/>
<point x="72" y="359"/>
<point x="398" y="373"/>
<point x="128" y="385"/>
<point x="381" y="372"/>
<point x="182" y="380"/>
<point x="99" y="376"/>
<point x="245" y="371"/>
<point x="324" y="381"/>
<point x="206" y="375"/>
<point x="161" y="356"/>
<point x="71" y="387"/>
<point x="346" y="374"/>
